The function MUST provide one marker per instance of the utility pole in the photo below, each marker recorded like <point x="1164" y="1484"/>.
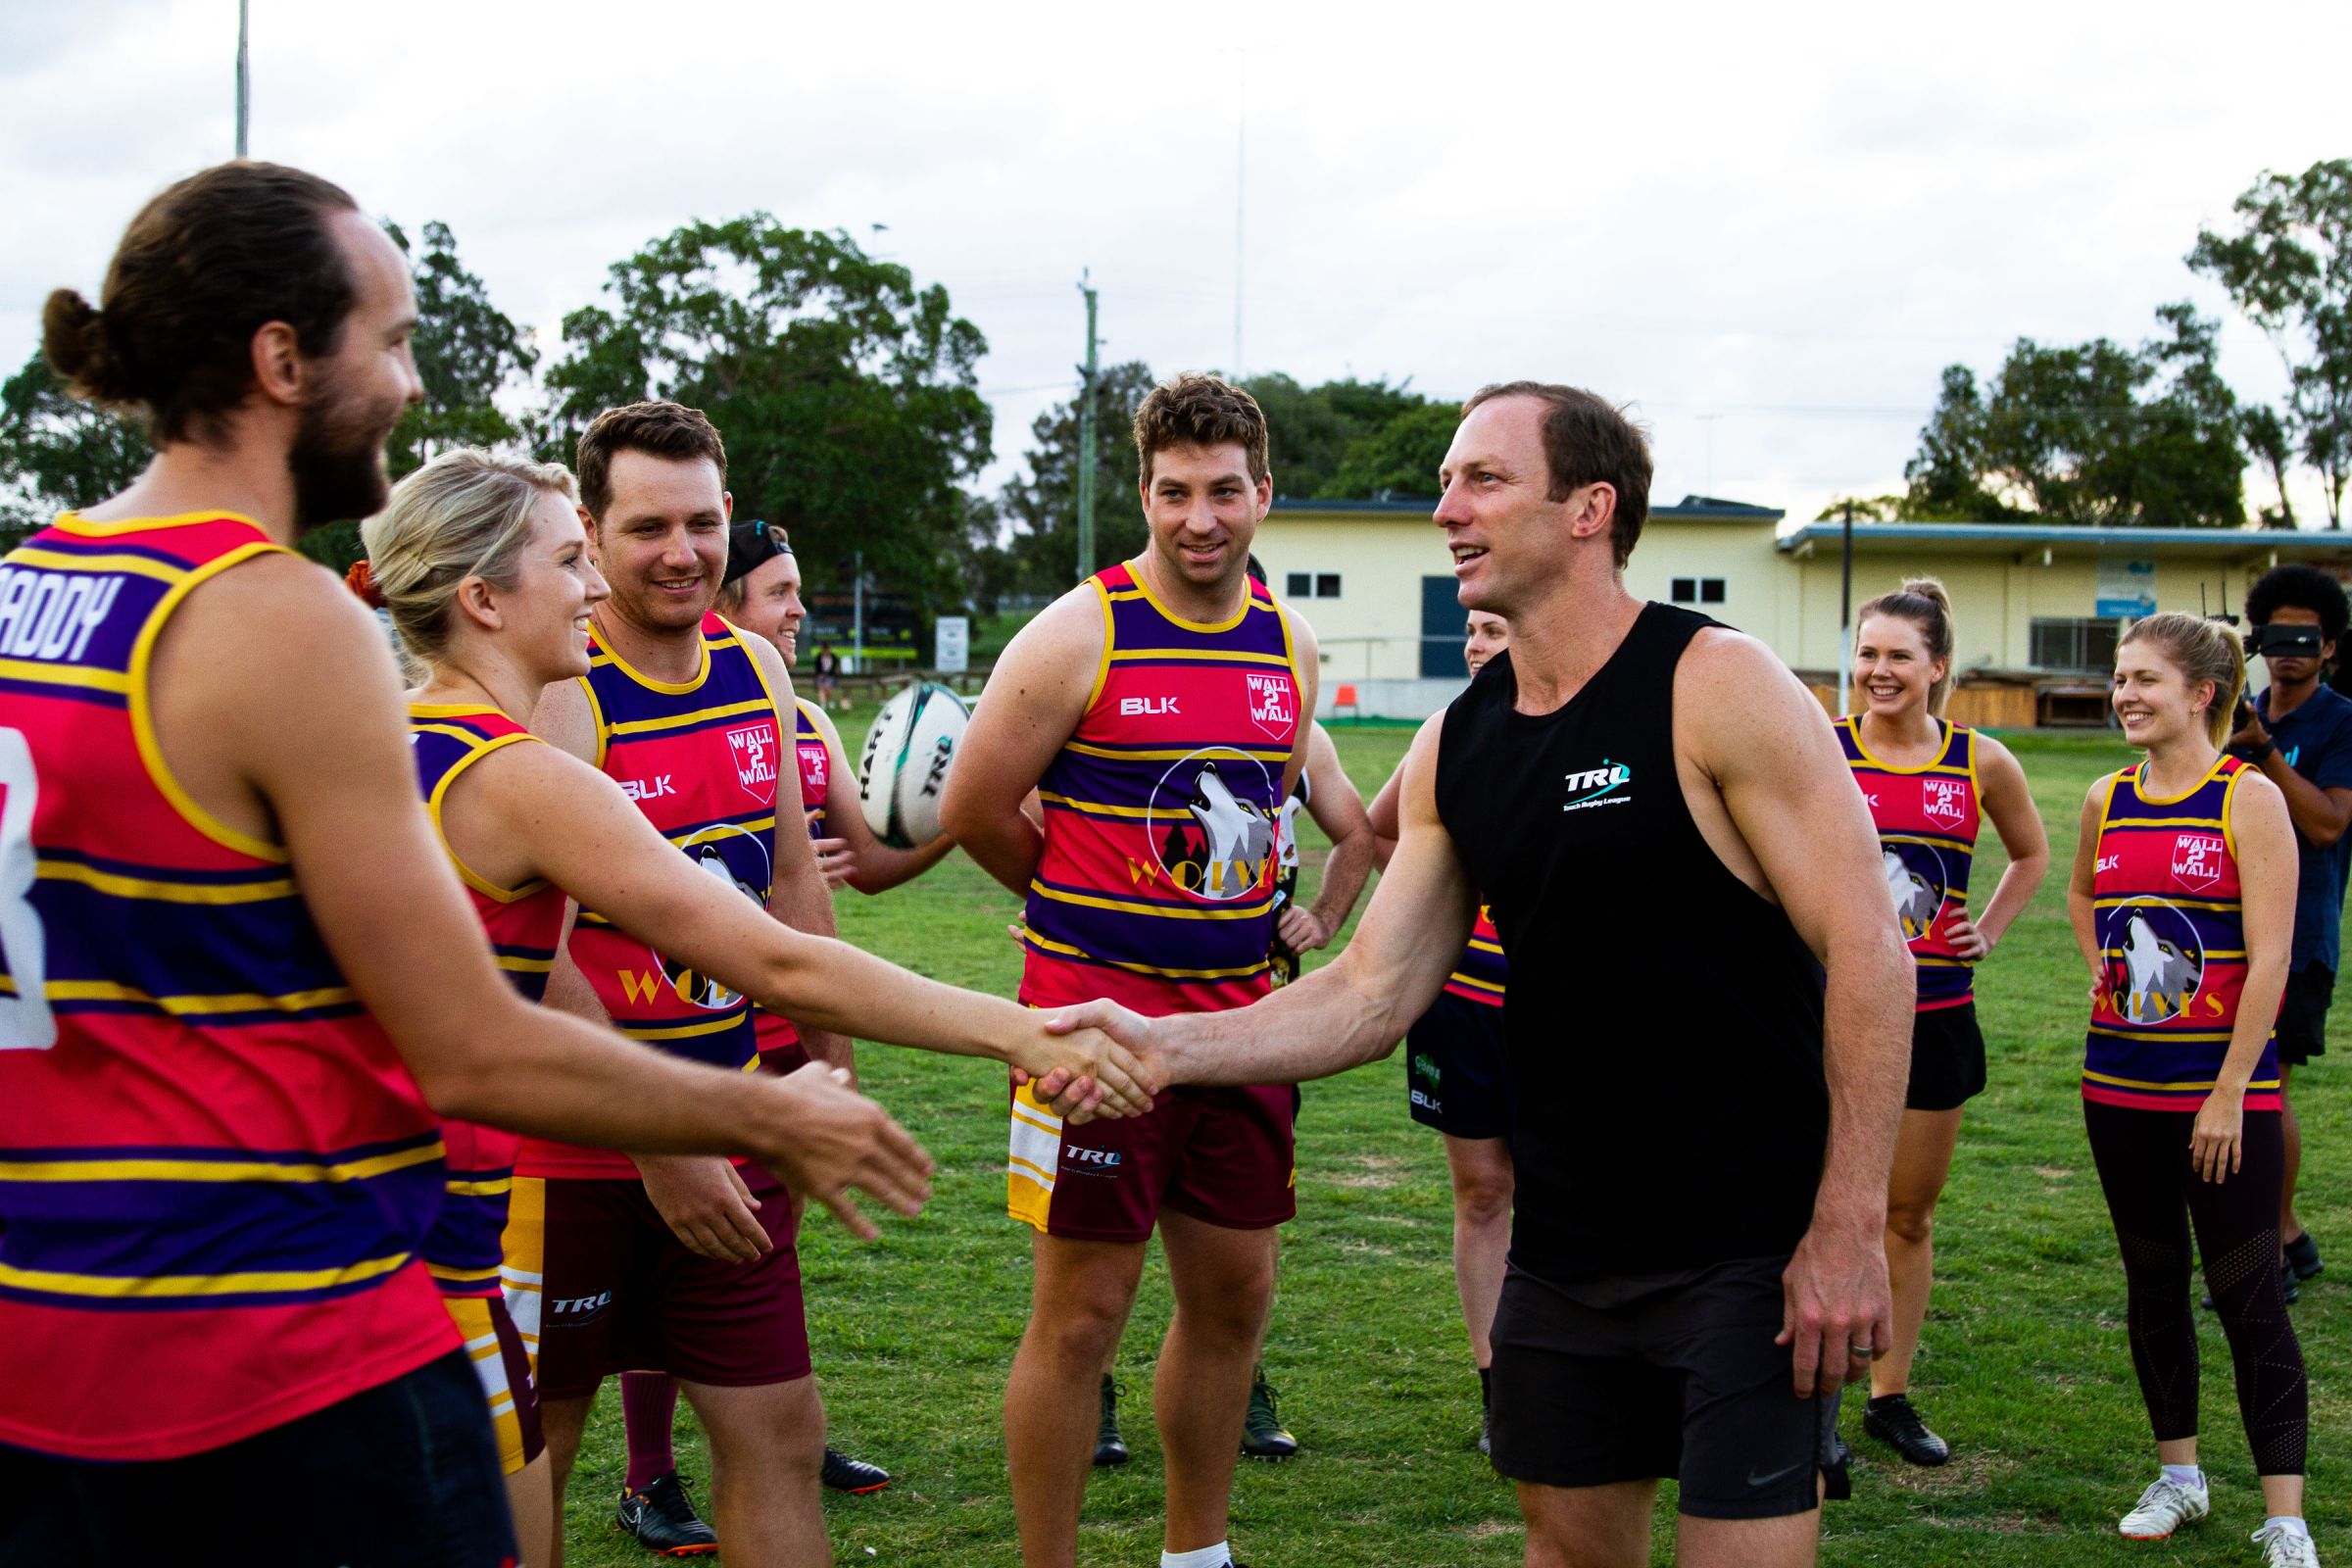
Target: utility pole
<point x="857" y="612"/>
<point x="1087" y="373"/>
<point x="244" y="80"/>
<point x="1845" y="612"/>
<point x="1241" y="170"/>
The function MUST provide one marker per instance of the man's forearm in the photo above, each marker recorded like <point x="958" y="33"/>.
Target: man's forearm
<point x="1865" y="1046"/>
<point x="831" y="990"/>
<point x="1007" y="848"/>
<point x="2308" y="806"/>
<point x="1325" y="1023"/>
<point x="1345" y="870"/>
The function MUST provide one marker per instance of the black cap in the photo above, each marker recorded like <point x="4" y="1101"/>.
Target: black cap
<point x="751" y="546"/>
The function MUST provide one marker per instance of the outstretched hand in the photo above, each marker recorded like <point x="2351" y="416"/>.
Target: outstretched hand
<point x="826" y="1138"/>
<point x="1083" y="1073"/>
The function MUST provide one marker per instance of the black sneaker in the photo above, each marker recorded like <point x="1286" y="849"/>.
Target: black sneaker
<point x="1262" y="1434"/>
<point x="1893" y="1422"/>
<point x="1110" y="1448"/>
<point x="663" y="1522"/>
<point x="853" y="1476"/>
<point x="2303" y="1257"/>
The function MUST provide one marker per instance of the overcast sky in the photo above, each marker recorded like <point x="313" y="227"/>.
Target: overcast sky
<point x="1766" y="227"/>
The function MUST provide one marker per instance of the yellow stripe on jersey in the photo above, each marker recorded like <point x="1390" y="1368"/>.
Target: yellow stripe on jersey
<point x="653" y="726"/>
<point x="39" y="674"/>
<point x="160" y="888"/>
<point x="196" y="1007"/>
<point x="140" y="1168"/>
<point x="1247" y="911"/>
<point x="1065" y="949"/>
<point x="179" y="1286"/>
<point x="1220" y="655"/>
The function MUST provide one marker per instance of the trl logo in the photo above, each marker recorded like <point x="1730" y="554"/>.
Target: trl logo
<point x="1145" y="707"/>
<point x="1090" y="1157"/>
<point x="579" y="1306"/>
<point x="1597" y="786"/>
<point x="2197" y="860"/>
<point x="648" y="789"/>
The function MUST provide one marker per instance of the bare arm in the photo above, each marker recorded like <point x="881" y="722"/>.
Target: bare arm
<point x="327" y="760"/>
<point x="1355" y="1008"/>
<point x="874" y="866"/>
<point x="1339" y="812"/>
<point x="1382" y="813"/>
<point x="2321" y="815"/>
<point x="798" y="893"/>
<point x="2009" y="802"/>
<point x="1791" y="801"/>
<point x="2081" y="905"/>
<point x="1035" y="697"/>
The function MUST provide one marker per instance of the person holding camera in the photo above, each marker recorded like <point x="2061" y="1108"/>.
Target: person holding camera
<point x="2299" y="732"/>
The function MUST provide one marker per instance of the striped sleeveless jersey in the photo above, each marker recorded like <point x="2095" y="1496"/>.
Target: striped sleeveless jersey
<point x="1156" y="883"/>
<point x="780" y="1040"/>
<point x="215" y="1171"/>
<point x="700" y="758"/>
<point x="1483" y="971"/>
<point x="523" y="925"/>
<point x="1926" y="819"/>
<point x="2172" y="940"/>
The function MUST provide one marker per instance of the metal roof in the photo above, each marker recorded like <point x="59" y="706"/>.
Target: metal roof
<point x="1689" y="509"/>
<point x="2001" y="537"/>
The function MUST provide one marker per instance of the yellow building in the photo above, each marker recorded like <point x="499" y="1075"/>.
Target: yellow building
<point x="2035" y="609"/>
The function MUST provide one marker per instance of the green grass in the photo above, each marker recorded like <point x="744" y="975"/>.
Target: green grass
<point x="2024" y="1367"/>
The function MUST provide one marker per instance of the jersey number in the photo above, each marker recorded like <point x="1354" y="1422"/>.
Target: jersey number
<point x="25" y="1021"/>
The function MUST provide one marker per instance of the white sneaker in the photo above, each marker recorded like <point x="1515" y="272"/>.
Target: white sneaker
<point x="2283" y="1547"/>
<point x="2163" y="1508"/>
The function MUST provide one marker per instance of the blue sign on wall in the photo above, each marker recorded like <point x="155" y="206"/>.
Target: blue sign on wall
<point x="2126" y="589"/>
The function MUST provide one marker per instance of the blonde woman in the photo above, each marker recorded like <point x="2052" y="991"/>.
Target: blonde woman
<point x="483" y="567"/>
<point x="2182" y="901"/>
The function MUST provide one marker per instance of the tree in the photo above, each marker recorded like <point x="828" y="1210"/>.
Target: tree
<point x="2288" y="267"/>
<point x="2091" y="434"/>
<point x="1311" y="431"/>
<point x="1039" y="555"/>
<point x="1402" y="455"/>
<point x="846" y="394"/>
<point x="469" y="354"/>
<point x="1866" y="509"/>
<point x="58" y="451"/>
<point x="2274" y="444"/>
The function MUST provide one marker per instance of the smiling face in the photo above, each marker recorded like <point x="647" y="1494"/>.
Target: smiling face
<point x="1892" y="666"/>
<point x="1510" y="540"/>
<point x="1202" y="509"/>
<point x="771" y="603"/>
<point x="2153" y="699"/>
<point x="545" y="615"/>
<point x="663" y="540"/>
<point x="1482" y="637"/>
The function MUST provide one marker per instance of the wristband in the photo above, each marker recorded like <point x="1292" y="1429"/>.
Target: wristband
<point x="2261" y="753"/>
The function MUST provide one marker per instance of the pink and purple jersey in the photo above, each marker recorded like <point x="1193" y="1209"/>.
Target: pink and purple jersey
<point x="700" y="758"/>
<point x="1483" y="971"/>
<point x="2172" y="942"/>
<point x="215" y="1174"/>
<point x="1157" y="885"/>
<point x="523" y="925"/>
<point x="1926" y="819"/>
<point x="779" y="1041"/>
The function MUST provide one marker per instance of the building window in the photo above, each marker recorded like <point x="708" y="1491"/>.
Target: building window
<point x="1311" y="585"/>
<point x="1327" y="585"/>
<point x="1298" y="585"/>
<point x="2076" y="647"/>
<point x="1696" y="590"/>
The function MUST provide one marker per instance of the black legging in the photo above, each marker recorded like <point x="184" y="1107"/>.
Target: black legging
<point x="2152" y="1196"/>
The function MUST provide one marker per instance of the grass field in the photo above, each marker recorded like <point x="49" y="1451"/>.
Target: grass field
<point x="2024" y="1367"/>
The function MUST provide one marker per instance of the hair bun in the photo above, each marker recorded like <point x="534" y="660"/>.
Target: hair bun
<point x="361" y="580"/>
<point x="73" y="338"/>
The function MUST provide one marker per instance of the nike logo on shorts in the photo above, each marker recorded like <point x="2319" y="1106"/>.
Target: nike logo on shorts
<point x="1755" y="1479"/>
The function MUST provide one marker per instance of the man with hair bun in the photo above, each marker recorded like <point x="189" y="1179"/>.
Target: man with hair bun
<point x="242" y="982"/>
<point x="1158" y="710"/>
<point x="2298" y="732"/>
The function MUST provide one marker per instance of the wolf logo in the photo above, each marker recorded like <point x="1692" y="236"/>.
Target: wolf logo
<point x="2162" y="976"/>
<point x="1240" y="838"/>
<point x="1916" y="898"/>
<point x="701" y="990"/>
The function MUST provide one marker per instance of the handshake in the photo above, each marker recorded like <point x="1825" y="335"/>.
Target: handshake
<point x="1095" y="1061"/>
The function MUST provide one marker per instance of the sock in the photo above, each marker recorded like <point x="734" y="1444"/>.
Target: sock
<point x="1216" y="1556"/>
<point x="2292" y="1524"/>
<point x="1485" y="1387"/>
<point x="2185" y="1475"/>
<point x="1879" y="1402"/>
<point x="648" y="1403"/>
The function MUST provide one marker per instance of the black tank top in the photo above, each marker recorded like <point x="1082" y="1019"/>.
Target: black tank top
<point x="1664" y="1020"/>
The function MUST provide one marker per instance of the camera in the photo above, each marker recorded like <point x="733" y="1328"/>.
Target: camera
<point x="2273" y="641"/>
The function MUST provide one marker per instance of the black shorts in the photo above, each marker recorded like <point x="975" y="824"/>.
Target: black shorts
<point x="1454" y="1069"/>
<point x="1947" y="1058"/>
<point x="1644" y="1377"/>
<point x="402" y="1476"/>
<point x="2303" y="1014"/>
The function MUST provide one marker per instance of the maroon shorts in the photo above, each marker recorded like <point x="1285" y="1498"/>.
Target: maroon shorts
<point x="1221" y="1155"/>
<point x="615" y="1290"/>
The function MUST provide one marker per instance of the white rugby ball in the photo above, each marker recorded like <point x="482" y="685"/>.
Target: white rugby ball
<point x="904" y="768"/>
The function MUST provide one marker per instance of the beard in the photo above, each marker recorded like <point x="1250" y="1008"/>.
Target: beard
<point x="337" y="461"/>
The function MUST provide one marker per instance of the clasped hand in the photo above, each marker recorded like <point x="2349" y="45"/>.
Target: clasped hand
<point x="1082" y="1073"/>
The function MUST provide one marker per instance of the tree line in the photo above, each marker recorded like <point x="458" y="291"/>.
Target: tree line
<point x="847" y="393"/>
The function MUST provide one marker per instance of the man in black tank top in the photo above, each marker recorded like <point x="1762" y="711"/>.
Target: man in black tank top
<point x="1708" y="1020"/>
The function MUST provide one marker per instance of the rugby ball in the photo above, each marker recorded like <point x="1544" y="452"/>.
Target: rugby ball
<point x="905" y="768"/>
